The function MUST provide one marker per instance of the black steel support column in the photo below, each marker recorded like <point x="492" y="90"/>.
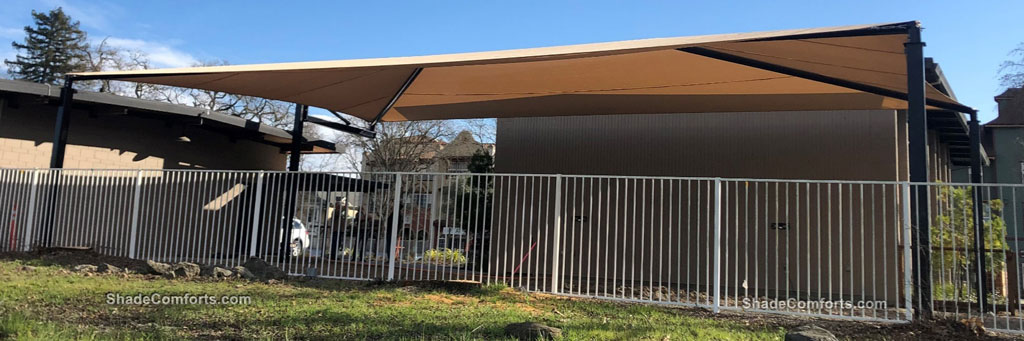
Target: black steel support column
<point x="293" y="180"/>
<point x="60" y="131"/>
<point x="60" y="141"/>
<point x="917" y="126"/>
<point x="297" y="138"/>
<point x="979" y="244"/>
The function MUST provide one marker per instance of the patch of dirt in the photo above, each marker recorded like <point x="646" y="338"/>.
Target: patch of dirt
<point x="71" y="257"/>
<point x="450" y="287"/>
<point x="864" y="330"/>
<point x="447" y="299"/>
<point x="529" y="309"/>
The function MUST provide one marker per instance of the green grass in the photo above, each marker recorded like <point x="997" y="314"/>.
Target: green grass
<point x="51" y="303"/>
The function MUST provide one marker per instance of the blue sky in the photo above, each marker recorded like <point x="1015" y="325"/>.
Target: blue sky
<point x="968" y="38"/>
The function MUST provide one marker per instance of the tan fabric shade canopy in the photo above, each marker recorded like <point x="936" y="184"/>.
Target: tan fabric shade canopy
<point x="850" y="67"/>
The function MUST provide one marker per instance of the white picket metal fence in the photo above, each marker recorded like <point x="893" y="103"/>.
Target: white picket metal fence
<point x="820" y="248"/>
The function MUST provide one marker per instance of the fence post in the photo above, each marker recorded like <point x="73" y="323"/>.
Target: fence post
<point x="556" y="242"/>
<point x="907" y="256"/>
<point x="31" y="211"/>
<point x="393" y="242"/>
<point x="256" y="215"/>
<point x="718" y="246"/>
<point x="135" y="215"/>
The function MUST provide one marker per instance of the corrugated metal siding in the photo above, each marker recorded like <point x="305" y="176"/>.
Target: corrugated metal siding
<point x="834" y="145"/>
<point x="839" y="145"/>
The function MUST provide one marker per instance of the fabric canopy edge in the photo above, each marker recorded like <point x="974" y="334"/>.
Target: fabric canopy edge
<point x="499" y="56"/>
<point x="684" y="44"/>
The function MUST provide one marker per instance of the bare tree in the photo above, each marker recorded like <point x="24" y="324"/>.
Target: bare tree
<point x="100" y="57"/>
<point x="104" y="57"/>
<point x="262" y="110"/>
<point x="1012" y="71"/>
<point x="398" y="147"/>
<point x="484" y="129"/>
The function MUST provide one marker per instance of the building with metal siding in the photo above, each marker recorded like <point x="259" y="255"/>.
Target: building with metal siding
<point x="810" y="145"/>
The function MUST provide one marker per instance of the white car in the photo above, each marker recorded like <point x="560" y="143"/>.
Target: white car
<point x="300" y="238"/>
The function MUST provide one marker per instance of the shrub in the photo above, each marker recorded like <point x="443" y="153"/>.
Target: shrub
<point x="444" y="256"/>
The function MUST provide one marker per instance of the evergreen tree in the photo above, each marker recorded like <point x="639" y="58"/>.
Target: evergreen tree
<point x="53" y="48"/>
<point x="481" y="162"/>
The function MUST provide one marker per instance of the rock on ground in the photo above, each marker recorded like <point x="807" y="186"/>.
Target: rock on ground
<point x="532" y="331"/>
<point x="241" y="271"/>
<point x="263" y="270"/>
<point x="87" y="268"/>
<point x="107" y="268"/>
<point x="206" y="270"/>
<point x="219" y="272"/>
<point x="158" y="268"/>
<point x="810" y="333"/>
<point x="215" y="271"/>
<point x="185" y="270"/>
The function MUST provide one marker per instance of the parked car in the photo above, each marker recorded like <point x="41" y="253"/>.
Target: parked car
<point x="300" y="238"/>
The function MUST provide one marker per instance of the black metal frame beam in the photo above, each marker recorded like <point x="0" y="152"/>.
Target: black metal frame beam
<point x="917" y="126"/>
<point x="976" y="195"/>
<point x="60" y="133"/>
<point x="294" y="159"/>
<point x="336" y="114"/>
<point x="394" y="99"/>
<point x="347" y="128"/>
<point x="705" y="52"/>
<point x="60" y="141"/>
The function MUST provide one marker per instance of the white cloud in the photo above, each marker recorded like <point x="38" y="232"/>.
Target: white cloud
<point x="159" y="54"/>
<point x="12" y="33"/>
<point x="6" y="54"/>
<point x="96" y="14"/>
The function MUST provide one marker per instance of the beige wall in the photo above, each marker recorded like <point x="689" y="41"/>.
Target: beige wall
<point x="172" y="218"/>
<point x="859" y="247"/>
<point x="110" y="141"/>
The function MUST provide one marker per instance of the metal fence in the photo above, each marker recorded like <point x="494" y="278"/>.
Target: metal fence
<point x="961" y="288"/>
<point x="822" y="248"/>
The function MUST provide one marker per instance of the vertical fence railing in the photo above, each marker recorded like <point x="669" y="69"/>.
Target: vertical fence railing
<point x="821" y="248"/>
<point x="976" y="255"/>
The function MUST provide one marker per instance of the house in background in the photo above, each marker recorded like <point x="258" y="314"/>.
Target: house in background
<point x="425" y="223"/>
<point x="431" y="155"/>
<point x="1003" y="138"/>
<point x="455" y="156"/>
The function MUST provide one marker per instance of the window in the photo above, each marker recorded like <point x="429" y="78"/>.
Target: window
<point x="421" y="199"/>
<point x="459" y="167"/>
